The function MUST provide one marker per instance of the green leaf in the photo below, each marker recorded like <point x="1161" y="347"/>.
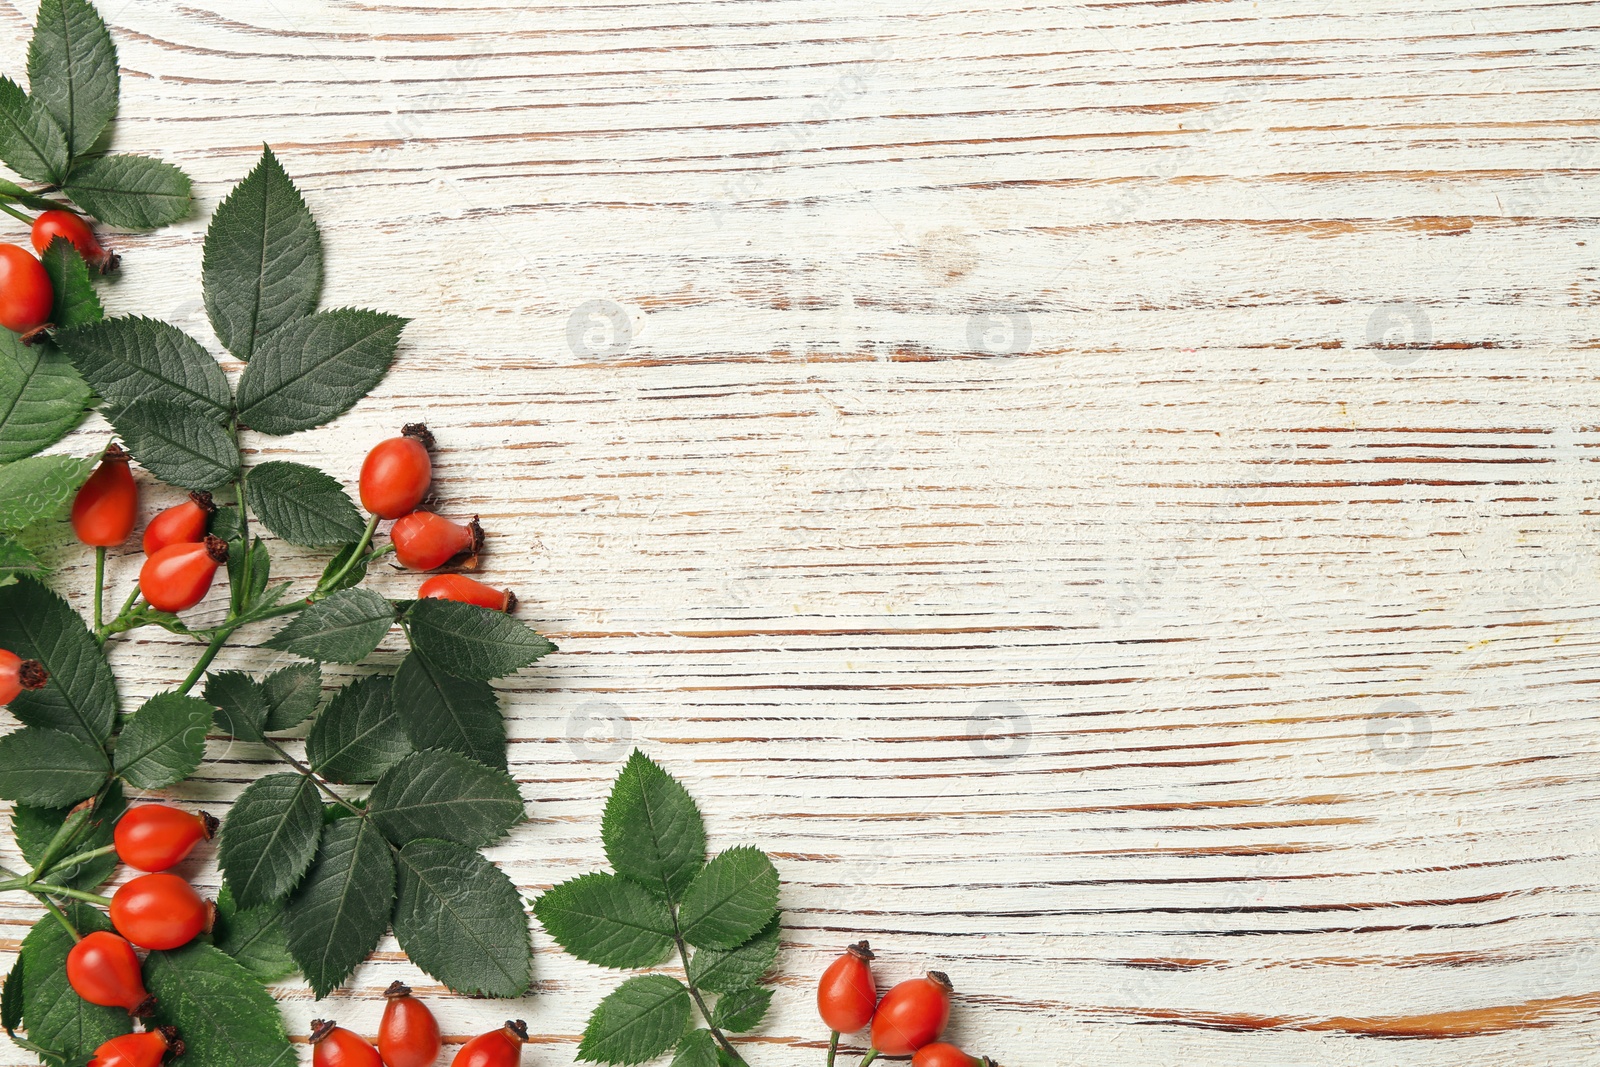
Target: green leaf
<point x="358" y="736"/>
<point x="241" y="593"/>
<point x="641" y="1019"/>
<point x="342" y="908"/>
<point x="473" y="642"/>
<point x="57" y="1017"/>
<point x="344" y="628"/>
<point x="240" y="702"/>
<point x="441" y="711"/>
<point x="39" y="489"/>
<point x="49" y="768"/>
<point x="263" y="259"/>
<point x="607" y="920"/>
<point x="460" y="919"/>
<point x="741" y="1012"/>
<point x="179" y="445"/>
<point x="72" y="67"/>
<point x="292" y="695"/>
<point x="697" y="1049"/>
<point x="81" y="695"/>
<point x="226" y="1017"/>
<point x="312" y="370"/>
<point x="269" y="837"/>
<point x="163" y="742"/>
<point x="31" y="143"/>
<point x="134" y="192"/>
<point x="11" y="998"/>
<point x="132" y="358"/>
<point x="730" y="900"/>
<point x="254" y="937"/>
<point x="652" y="830"/>
<point x="353" y="577"/>
<point x="302" y="505"/>
<point x="35" y="828"/>
<point x="10" y="190"/>
<point x="42" y="397"/>
<point x="444" y="795"/>
<point x="76" y="301"/>
<point x="17" y="559"/>
<point x="730" y="970"/>
<point x="225" y="524"/>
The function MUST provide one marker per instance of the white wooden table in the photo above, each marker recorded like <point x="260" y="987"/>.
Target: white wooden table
<point x="1104" y="493"/>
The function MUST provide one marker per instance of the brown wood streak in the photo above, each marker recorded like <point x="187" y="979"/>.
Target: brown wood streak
<point x="1476" y="1022"/>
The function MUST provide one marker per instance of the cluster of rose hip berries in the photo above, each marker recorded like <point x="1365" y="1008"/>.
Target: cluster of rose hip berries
<point x="408" y="1036"/>
<point x="907" y="1021"/>
<point x="26" y="298"/>
<point x="181" y="558"/>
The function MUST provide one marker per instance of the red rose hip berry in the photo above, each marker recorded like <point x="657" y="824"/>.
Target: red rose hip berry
<point x="423" y="540"/>
<point x="154" y="837"/>
<point x="103" y="969"/>
<point x="148" y="1049"/>
<point x="179" y="576"/>
<point x="65" y="224"/>
<point x="334" y="1046"/>
<point x="940" y="1054"/>
<point x="107" y="506"/>
<point x="498" y="1048"/>
<point x="910" y="1015"/>
<point x="408" y="1036"/>
<point x="159" y="911"/>
<point x="396" y="474"/>
<point x="466" y="590"/>
<point x="25" y="294"/>
<point x="18" y="674"/>
<point x="846" y="995"/>
<point x="181" y="524"/>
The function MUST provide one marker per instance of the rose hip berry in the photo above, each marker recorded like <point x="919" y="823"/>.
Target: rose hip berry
<point x="148" y="1049"/>
<point x="154" y="837"/>
<point x="53" y="224"/>
<point x="107" y="506"/>
<point x="910" y="1015"/>
<point x="408" y="1036"/>
<point x="25" y="294"/>
<point x="180" y="524"/>
<point x="334" y="1046"/>
<point x="846" y="995"/>
<point x="179" y="576"/>
<point x="17" y="674"/>
<point x="498" y="1048"/>
<point x="396" y="474"/>
<point x="940" y="1054"/>
<point x="423" y="540"/>
<point x="159" y="911"/>
<point x="103" y="969"/>
<point x="468" y="591"/>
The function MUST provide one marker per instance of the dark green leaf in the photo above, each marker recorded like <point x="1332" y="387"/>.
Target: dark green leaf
<point x="443" y="795"/>
<point x="179" y="445"/>
<point x="132" y="358"/>
<point x="652" y="830"/>
<point x="292" y="695"/>
<point x="56" y="1017"/>
<point x="225" y="524"/>
<point x="10" y="190"/>
<point x="736" y="968"/>
<point x="134" y="192"/>
<point x="72" y="67"/>
<point x="341" y="909"/>
<point x="344" y="628"/>
<point x="741" y="1012"/>
<point x="460" y="919"/>
<point x="358" y="736"/>
<point x="17" y="559"/>
<point x="241" y="705"/>
<point x="730" y="900"/>
<point x="640" y="1020"/>
<point x="441" y="711"/>
<point x="473" y="642"/>
<point x="30" y="141"/>
<point x="49" y="768"/>
<point x="697" y="1049"/>
<point x="35" y="828"/>
<point x="241" y="592"/>
<point x="607" y="920"/>
<point x="269" y="837"/>
<point x="302" y="505"/>
<point x="312" y="370"/>
<point x="263" y="260"/>
<point x="226" y="1017"/>
<point x="11" y="998"/>
<point x="42" y="396"/>
<point x="351" y="578"/>
<point x="76" y="302"/>
<point x="81" y="696"/>
<point x="163" y="742"/>
<point x="39" y="489"/>
<point x="254" y="937"/>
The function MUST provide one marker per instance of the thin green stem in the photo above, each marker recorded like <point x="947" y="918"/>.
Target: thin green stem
<point x="871" y="1055"/>
<point x="68" y="891"/>
<point x="14" y="213"/>
<point x="77" y="858"/>
<point x="61" y="917"/>
<point x="700" y="1002"/>
<point x="355" y="557"/>
<point x="833" y="1047"/>
<point x="218" y="639"/>
<point x="99" y="585"/>
<point x="309" y="773"/>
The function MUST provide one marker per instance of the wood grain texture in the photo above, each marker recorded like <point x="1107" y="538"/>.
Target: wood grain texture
<point x="1105" y="493"/>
